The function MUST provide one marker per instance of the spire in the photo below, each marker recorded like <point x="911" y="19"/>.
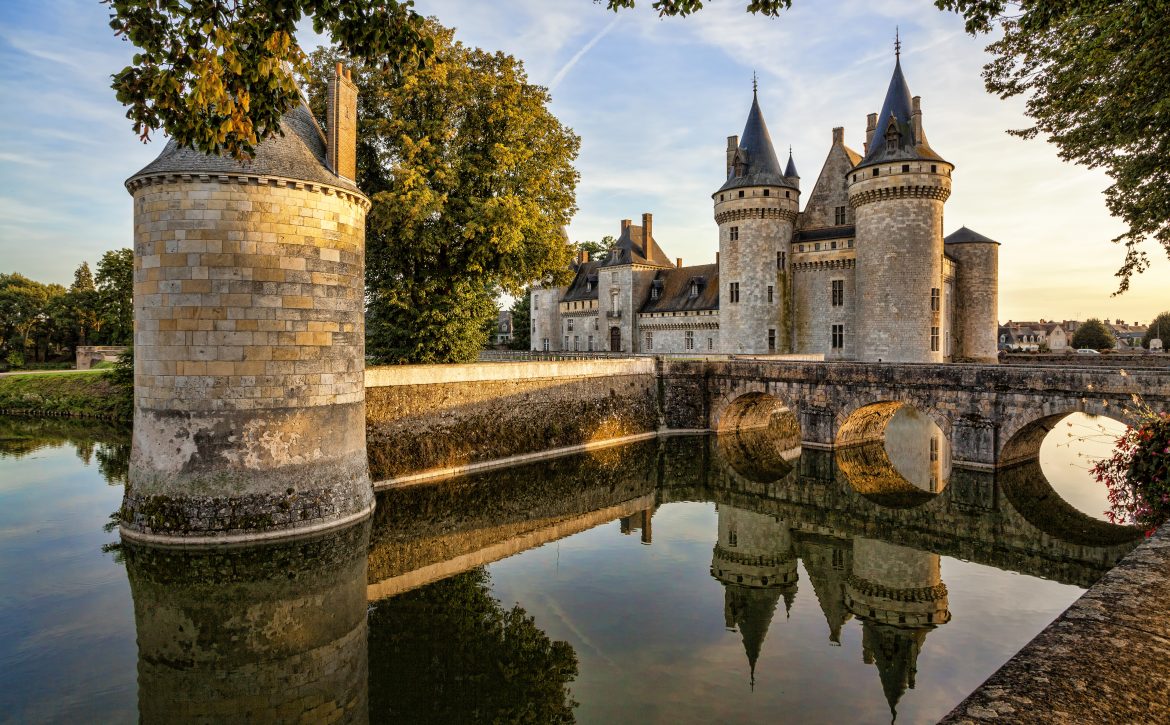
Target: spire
<point x="755" y="162"/>
<point x="790" y="171"/>
<point x="755" y="84"/>
<point x="750" y="610"/>
<point x="898" y="137"/>
<point x="897" y="46"/>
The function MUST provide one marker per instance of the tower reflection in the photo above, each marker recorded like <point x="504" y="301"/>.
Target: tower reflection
<point x="262" y="633"/>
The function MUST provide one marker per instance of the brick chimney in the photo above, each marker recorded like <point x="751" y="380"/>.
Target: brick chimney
<point x="838" y="135"/>
<point x="917" y="118"/>
<point x="870" y="127"/>
<point x="625" y="225"/>
<point x="732" y="145"/>
<point x="678" y="263"/>
<point x="341" y="149"/>
<point x="647" y="233"/>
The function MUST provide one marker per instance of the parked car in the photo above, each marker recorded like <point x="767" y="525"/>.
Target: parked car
<point x="1087" y="351"/>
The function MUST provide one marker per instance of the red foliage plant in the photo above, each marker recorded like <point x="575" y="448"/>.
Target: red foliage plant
<point x="1138" y="474"/>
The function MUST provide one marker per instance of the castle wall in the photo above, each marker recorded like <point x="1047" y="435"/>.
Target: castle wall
<point x="831" y="190"/>
<point x="249" y="357"/>
<point x="813" y="313"/>
<point x="764" y="227"/>
<point x="545" y="312"/>
<point x="669" y="332"/>
<point x="899" y="260"/>
<point x="976" y="301"/>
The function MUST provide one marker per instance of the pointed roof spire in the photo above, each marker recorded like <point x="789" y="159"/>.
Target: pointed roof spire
<point x="898" y="138"/>
<point x="790" y="170"/>
<point x="755" y="162"/>
<point x="755" y="84"/>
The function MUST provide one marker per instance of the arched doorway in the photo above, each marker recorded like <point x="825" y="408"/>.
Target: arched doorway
<point x="615" y="339"/>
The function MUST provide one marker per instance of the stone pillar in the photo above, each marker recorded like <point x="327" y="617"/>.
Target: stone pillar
<point x="249" y="407"/>
<point x="273" y="633"/>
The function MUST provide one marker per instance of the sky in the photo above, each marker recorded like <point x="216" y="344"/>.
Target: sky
<point x="653" y="101"/>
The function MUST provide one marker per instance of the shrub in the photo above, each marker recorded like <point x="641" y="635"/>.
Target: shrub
<point x="1138" y="474"/>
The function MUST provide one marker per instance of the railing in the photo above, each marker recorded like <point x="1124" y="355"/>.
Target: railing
<point x="613" y="314"/>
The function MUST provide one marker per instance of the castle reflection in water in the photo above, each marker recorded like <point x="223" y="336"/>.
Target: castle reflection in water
<point x="373" y="622"/>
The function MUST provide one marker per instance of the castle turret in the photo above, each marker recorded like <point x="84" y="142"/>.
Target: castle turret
<point x="976" y="295"/>
<point x="249" y="341"/>
<point x="756" y="211"/>
<point x="897" y="191"/>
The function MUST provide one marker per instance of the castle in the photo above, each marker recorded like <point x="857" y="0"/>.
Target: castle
<point x="862" y="273"/>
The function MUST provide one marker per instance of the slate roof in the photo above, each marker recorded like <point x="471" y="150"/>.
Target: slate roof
<point x="790" y="170"/>
<point x="628" y="250"/>
<point x="580" y="289"/>
<point x="755" y="148"/>
<point x="298" y="154"/>
<point x="966" y="236"/>
<point x="674" y="289"/>
<point x="898" y="108"/>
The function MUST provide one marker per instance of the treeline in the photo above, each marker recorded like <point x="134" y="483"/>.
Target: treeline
<point x="42" y="323"/>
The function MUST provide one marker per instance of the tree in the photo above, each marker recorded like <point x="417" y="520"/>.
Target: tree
<point x="82" y="301"/>
<point x="472" y="182"/>
<point x="448" y="652"/>
<point x="115" y="296"/>
<point x="522" y="322"/>
<point x="596" y="249"/>
<point x="217" y="76"/>
<point x="1094" y="335"/>
<point x="1159" y="328"/>
<point x="22" y="309"/>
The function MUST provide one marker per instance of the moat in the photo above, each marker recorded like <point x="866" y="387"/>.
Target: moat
<point x="685" y="579"/>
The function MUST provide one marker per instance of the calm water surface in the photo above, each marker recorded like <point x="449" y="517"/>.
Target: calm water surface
<point x="696" y="579"/>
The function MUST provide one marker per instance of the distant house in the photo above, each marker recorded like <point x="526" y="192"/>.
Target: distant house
<point x="504" y="328"/>
<point x="1056" y="337"/>
<point x="1127" y="335"/>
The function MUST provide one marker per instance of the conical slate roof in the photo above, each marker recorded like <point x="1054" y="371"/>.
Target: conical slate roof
<point x="298" y="154"/>
<point x="966" y="236"/>
<point x="898" y="111"/>
<point x="760" y="167"/>
<point x="750" y="611"/>
<point x="790" y="170"/>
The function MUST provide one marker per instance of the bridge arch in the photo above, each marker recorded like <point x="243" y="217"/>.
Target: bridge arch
<point x="861" y="422"/>
<point x="893" y="454"/>
<point x="750" y="404"/>
<point x="1022" y="433"/>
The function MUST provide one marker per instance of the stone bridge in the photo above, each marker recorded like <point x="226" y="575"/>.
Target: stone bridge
<point x="993" y="415"/>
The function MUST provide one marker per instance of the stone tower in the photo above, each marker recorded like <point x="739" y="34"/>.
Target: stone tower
<point x="756" y="211"/>
<point x="976" y="295"/>
<point x="897" y="192"/>
<point x="249" y="409"/>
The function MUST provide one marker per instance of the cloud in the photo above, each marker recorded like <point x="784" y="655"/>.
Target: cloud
<point x="560" y="75"/>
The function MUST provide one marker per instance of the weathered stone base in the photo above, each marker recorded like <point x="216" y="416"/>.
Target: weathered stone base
<point x="246" y="475"/>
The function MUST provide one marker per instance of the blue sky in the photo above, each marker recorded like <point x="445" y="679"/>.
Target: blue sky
<point x="653" y="100"/>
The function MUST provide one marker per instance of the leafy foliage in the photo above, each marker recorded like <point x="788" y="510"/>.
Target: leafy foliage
<point x="522" y="322"/>
<point x="1093" y="334"/>
<point x="1159" y="328"/>
<point x="217" y="76"/>
<point x="448" y="652"/>
<point x="686" y="7"/>
<point x="596" y="249"/>
<point x="1138" y="474"/>
<point x="115" y="292"/>
<point x="472" y="182"/>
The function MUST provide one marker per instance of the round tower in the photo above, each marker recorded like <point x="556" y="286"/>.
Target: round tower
<point x="976" y="295"/>
<point x="249" y="402"/>
<point x="897" y="192"/>
<point x="756" y="212"/>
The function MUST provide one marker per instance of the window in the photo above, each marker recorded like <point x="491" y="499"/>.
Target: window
<point x="576" y="343"/>
<point x="838" y="215"/>
<point x="545" y="346"/>
<point x="838" y="292"/>
<point x="536" y="302"/>
<point x="566" y="345"/>
<point x="653" y="293"/>
<point x="594" y="323"/>
<point x="934" y="300"/>
<point x="694" y="289"/>
<point x="613" y="300"/>
<point x="767" y="192"/>
<point x="771" y="340"/>
<point x="720" y="197"/>
<point x="690" y="336"/>
<point x="770" y="293"/>
<point x="569" y="324"/>
<point x="649" y="341"/>
<point x="838" y="334"/>
<point x="905" y="168"/>
<point x="741" y="195"/>
<point x="733" y="234"/>
<point x="838" y="559"/>
<point x="934" y="168"/>
<point x="817" y="247"/>
<point x="851" y="244"/>
<point x="934" y="339"/>
<point x="710" y="343"/>
<point x="876" y="171"/>
<point x="779" y="260"/>
<point x="855" y="177"/>
<point x="733" y="292"/>
<point x="933" y="448"/>
<point x="732" y="538"/>
<point x="832" y="245"/>
<point x="590" y="343"/>
<point x="787" y="195"/>
<point x="588" y="286"/>
<point x="801" y="249"/>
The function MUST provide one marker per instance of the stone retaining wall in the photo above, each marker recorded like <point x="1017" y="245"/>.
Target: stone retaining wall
<point x="421" y="417"/>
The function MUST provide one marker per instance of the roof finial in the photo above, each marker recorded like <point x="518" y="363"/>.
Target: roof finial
<point x="755" y="85"/>
<point x="897" y="44"/>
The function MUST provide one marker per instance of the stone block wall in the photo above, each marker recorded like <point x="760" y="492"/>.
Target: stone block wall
<point x="249" y="355"/>
<point x="976" y="301"/>
<point x="441" y="416"/>
<point x="813" y="312"/>
<point x="669" y="332"/>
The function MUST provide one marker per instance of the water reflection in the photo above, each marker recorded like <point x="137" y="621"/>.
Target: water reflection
<point x="274" y="633"/>
<point x="907" y="464"/>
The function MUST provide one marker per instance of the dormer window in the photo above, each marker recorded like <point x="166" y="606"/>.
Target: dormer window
<point x="694" y="289"/>
<point x="893" y="136"/>
<point x="653" y="293"/>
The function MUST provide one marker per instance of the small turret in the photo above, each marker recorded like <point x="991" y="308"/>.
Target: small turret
<point x="790" y="170"/>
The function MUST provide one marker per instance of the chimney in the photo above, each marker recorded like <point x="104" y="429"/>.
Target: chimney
<point x="732" y="145"/>
<point x="678" y="262"/>
<point x="870" y="127"/>
<point x="647" y="233"/>
<point x="917" y="118"/>
<point x="341" y="148"/>
<point x="625" y="225"/>
<point x="716" y="258"/>
<point x="582" y="257"/>
<point x="838" y="136"/>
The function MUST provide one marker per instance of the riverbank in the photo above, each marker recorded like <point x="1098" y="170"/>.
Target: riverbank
<point x="77" y="394"/>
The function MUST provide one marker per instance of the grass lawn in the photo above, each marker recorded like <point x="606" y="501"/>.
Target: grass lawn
<point x="73" y="392"/>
